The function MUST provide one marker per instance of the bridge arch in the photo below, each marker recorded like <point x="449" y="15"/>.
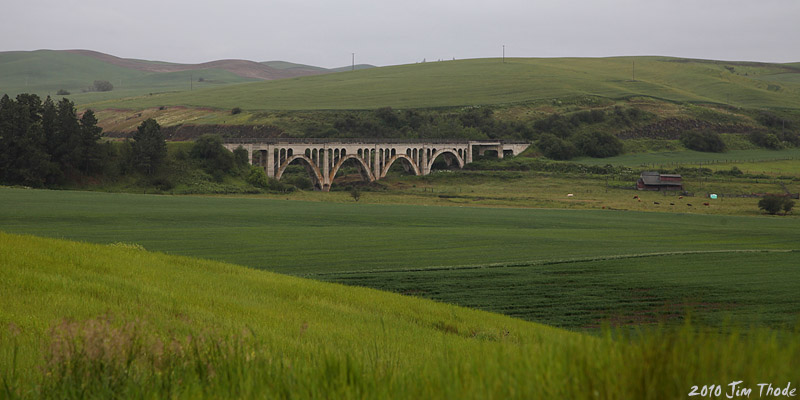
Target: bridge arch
<point x="311" y="168"/>
<point x="405" y="159"/>
<point x="437" y="153"/>
<point x="363" y="168"/>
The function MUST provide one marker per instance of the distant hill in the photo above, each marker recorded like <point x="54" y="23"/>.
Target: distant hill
<point x="302" y="67"/>
<point x="45" y="72"/>
<point x="493" y="82"/>
<point x="242" y="68"/>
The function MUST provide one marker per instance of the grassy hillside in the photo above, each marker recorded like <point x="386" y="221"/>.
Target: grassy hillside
<point x="489" y="81"/>
<point x="80" y="320"/>
<point x="44" y="72"/>
<point x="561" y="267"/>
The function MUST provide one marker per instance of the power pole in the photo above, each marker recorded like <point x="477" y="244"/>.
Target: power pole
<point x="191" y="82"/>
<point x="354" y="62"/>
<point x="504" y="54"/>
<point x="634" y="70"/>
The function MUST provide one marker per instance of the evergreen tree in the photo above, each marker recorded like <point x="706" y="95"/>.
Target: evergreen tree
<point x="149" y="147"/>
<point x="67" y="138"/>
<point x="90" y="148"/>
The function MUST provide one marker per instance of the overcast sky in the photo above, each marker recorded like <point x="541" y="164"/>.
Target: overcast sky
<point x="325" y="33"/>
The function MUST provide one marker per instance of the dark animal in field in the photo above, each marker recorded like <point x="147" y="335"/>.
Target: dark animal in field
<point x="656" y="203"/>
<point x="689" y="204"/>
<point x="635" y="197"/>
<point x="672" y="204"/>
<point x="705" y="204"/>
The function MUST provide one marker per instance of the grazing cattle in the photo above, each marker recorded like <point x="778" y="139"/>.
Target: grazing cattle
<point x="672" y="204"/>
<point x="705" y="204"/>
<point x="656" y="203"/>
<point x="689" y="204"/>
<point x="680" y="197"/>
<point x="570" y="195"/>
<point x="635" y="197"/>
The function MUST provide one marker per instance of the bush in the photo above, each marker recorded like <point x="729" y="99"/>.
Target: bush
<point x="299" y="181"/>
<point x="257" y="177"/>
<point x="555" y="148"/>
<point x="102" y="86"/>
<point x="773" y="204"/>
<point x="240" y="158"/>
<point x="707" y="141"/>
<point x="355" y="194"/>
<point x="236" y="110"/>
<point x="215" y="158"/>
<point x="555" y="124"/>
<point x="62" y="92"/>
<point x="789" y="137"/>
<point x="598" y="144"/>
<point x="766" y="140"/>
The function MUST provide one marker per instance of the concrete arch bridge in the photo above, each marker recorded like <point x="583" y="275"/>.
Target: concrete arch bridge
<point x="323" y="158"/>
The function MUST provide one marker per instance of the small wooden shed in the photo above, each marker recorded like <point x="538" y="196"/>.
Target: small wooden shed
<point x="650" y="180"/>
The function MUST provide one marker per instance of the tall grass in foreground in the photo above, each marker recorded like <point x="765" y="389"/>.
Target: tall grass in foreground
<point x="106" y="358"/>
<point x="81" y="320"/>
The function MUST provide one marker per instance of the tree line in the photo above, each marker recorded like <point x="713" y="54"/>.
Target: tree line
<point x="46" y="143"/>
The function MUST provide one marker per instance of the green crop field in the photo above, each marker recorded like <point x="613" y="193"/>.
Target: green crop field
<point x="456" y="83"/>
<point x="92" y="321"/>
<point x="45" y="72"/>
<point x="355" y="241"/>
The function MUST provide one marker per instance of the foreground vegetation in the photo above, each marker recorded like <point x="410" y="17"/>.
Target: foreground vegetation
<point x="80" y="320"/>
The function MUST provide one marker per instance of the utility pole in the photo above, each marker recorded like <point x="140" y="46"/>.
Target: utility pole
<point x="354" y="62"/>
<point x="191" y="82"/>
<point x="504" y="54"/>
<point x="634" y="70"/>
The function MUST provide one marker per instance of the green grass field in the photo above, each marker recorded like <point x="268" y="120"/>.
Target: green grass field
<point x="357" y="241"/>
<point x="91" y="321"/>
<point x="456" y="83"/>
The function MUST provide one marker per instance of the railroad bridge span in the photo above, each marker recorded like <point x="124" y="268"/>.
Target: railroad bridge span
<point x="323" y="158"/>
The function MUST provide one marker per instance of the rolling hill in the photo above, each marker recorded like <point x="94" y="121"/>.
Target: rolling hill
<point x="492" y="82"/>
<point x="45" y="72"/>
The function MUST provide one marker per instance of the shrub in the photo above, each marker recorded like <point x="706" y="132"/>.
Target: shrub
<point x="299" y="181"/>
<point x="788" y="204"/>
<point x="257" y="177"/>
<point x="214" y="158"/>
<point x="236" y="110"/>
<point x="598" y="144"/>
<point x="707" y="141"/>
<point x="62" y="92"/>
<point x="555" y="124"/>
<point x="102" y="86"/>
<point x="355" y="194"/>
<point x="240" y="158"/>
<point x="555" y="148"/>
<point x="789" y="137"/>
<point x="766" y="140"/>
<point x="773" y="204"/>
